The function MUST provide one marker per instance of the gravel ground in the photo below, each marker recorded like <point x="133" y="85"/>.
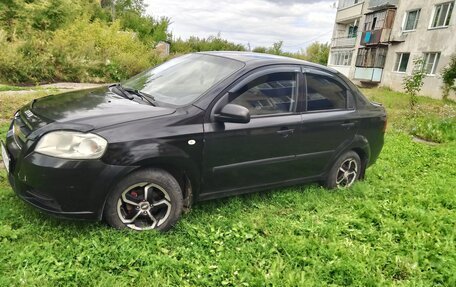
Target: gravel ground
<point x="71" y="86"/>
<point x="62" y="87"/>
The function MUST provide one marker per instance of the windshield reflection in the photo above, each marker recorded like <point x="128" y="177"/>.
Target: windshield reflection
<point x="182" y="80"/>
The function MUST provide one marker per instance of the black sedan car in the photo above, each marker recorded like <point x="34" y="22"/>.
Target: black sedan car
<point x="198" y="127"/>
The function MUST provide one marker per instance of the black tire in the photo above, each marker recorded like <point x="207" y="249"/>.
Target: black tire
<point x="337" y="178"/>
<point x="135" y="198"/>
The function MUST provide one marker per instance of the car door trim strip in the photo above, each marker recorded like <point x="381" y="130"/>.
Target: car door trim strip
<point x="253" y="163"/>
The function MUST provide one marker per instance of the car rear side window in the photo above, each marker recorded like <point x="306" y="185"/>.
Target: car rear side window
<point x="325" y="93"/>
<point x="269" y="94"/>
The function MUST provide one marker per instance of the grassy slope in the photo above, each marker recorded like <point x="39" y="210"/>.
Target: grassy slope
<point x="395" y="228"/>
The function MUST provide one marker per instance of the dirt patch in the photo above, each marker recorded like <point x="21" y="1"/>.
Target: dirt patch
<point x="71" y="86"/>
<point x="61" y="87"/>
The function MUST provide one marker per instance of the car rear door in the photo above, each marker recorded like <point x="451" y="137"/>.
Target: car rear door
<point x="328" y="121"/>
<point x="242" y="155"/>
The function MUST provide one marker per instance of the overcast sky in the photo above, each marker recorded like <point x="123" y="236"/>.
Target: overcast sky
<point x="258" y="22"/>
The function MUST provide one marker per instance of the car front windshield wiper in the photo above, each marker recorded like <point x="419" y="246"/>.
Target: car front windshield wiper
<point x="126" y="92"/>
<point x="119" y="90"/>
<point x="144" y="96"/>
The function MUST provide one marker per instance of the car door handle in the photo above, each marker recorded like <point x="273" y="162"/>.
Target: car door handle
<point x="285" y="132"/>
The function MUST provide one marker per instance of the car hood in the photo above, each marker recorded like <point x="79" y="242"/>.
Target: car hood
<point x="96" y="108"/>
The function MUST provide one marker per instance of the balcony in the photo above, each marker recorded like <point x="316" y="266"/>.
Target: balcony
<point x="346" y="42"/>
<point x="369" y="64"/>
<point x="373" y="75"/>
<point x="350" y="12"/>
<point x="375" y="37"/>
<point x="382" y="4"/>
<point x="374" y="57"/>
<point x="347" y="3"/>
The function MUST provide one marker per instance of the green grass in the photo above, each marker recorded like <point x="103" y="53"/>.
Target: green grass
<point x="7" y="88"/>
<point x="396" y="228"/>
<point x="432" y="120"/>
<point x="11" y="88"/>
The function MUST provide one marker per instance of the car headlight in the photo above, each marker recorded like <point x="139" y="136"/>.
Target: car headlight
<point x="72" y="145"/>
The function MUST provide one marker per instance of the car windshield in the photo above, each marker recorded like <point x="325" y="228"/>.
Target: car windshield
<point x="182" y="80"/>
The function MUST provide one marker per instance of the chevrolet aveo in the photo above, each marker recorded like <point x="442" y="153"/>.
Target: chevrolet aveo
<point x="198" y="127"/>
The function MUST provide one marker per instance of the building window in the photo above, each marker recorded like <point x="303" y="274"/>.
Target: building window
<point x="341" y="58"/>
<point x="352" y="31"/>
<point x="402" y="60"/>
<point x="431" y="61"/>
<point x="411" y="20"/>
<point x="442" y="15"/>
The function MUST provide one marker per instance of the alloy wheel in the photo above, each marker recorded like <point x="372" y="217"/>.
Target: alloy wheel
<point x="144" y="206"/>
<point x="347" y="173"/>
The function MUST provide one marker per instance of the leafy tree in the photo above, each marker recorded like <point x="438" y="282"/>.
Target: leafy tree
<point x="51" y="15"/>
<point x="260" y="49"/>
<point x="276" y="48"/>
<point x="9" y="17"/>
<point x="196" y="44"/>
<point x="317" y="53"/>
<point x="414" y="82"/>
<point x="41" y="40"/>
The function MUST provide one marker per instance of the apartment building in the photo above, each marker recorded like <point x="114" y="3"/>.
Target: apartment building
<point x="375" y="41"/>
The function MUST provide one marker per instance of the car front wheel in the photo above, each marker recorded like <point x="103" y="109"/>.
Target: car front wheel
<point x="345" y="171"/>
<point x="144" y="200"/>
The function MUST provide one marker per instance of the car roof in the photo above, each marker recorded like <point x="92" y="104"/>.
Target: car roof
<point x="260" y="59"/>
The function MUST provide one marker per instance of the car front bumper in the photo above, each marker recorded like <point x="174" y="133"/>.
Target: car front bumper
<point x="61" y="187"/>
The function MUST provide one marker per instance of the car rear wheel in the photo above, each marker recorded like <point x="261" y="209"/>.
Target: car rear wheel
<point x="345" y="171"/>
<point x="144" y="200"/>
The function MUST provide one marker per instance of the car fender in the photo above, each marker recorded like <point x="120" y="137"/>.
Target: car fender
<point x="359" y="144"/>
<point x="157" y="153"/>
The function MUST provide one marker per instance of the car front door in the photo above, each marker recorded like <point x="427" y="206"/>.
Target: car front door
<point x="329" y="123"/>
<point x="243" y="155"/>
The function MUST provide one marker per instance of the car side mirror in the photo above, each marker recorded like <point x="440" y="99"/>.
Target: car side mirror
<point x="232" y="113"/>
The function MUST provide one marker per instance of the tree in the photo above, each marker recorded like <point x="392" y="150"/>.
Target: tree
<point x="317" y="53"/>
<point x="276" y="48"/>
<point x="119" y="7"/>
<point x="10" y="16"/>
<point x="260" y="49"/>
<point x="211" y="43"/>
<point x="414" y="82"/>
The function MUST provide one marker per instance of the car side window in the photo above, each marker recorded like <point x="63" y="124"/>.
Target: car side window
<point x="325" y="93"/>
<point x="269" y="94"/>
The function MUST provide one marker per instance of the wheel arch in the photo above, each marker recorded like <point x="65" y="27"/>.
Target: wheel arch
<point x="186" y="175"/>
<point x="358" y="144"/>
<point x="363" y="155"/>
<point x="181" y="169"/>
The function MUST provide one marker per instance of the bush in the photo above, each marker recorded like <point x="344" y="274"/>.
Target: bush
<point x="436" y="130"/>
<point x="196" y="44"/>
<point x="439" y="127"/>
<point x="449" y="77"/>
<point x="84" y="51"/>
<point x="25" y="62"/>
<point x="90" y="51"/>
<point x="413" y="83"/>
<point x="76" y="40"/>
<point x="315" y="52"/>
